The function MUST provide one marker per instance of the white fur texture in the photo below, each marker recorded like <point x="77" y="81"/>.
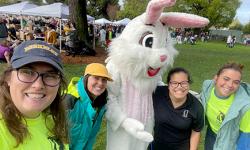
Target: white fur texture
<point x="133" y="60"/>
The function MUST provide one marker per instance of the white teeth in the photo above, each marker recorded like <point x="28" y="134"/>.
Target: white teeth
<point x="35" y="96"/>
<point x="226" y="90"/>
<point x="98" y="88"/>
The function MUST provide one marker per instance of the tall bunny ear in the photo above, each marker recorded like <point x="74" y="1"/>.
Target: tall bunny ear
<point x="183" y="20"/>
<point x="155" y="8"/>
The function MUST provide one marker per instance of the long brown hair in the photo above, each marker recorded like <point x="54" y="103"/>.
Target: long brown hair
<point x="13" y="118"/>
<point x="100" y="100"/>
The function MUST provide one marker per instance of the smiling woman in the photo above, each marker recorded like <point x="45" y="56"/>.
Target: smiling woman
<point x="178" y="116"/>
<point x="31" y="108"/>
<point x="86" y="100"/>
<point x="226" y="101"/>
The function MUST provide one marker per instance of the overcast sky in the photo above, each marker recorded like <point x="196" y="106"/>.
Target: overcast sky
<point x="243" y="12"/>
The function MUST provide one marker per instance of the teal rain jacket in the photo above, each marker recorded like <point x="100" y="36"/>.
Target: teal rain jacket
<point x="84" y="121"/>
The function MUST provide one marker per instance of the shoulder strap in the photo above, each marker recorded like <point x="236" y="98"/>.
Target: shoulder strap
<point x="70" y="101"/>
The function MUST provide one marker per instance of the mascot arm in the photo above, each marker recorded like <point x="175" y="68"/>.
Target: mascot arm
<point x="114" y="113"/>
<point x="136" y="129"/>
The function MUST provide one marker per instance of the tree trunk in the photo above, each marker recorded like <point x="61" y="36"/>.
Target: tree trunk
<point x="78" y="15"/>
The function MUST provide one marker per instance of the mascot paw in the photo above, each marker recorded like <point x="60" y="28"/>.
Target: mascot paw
<point x="144" y="136"/>
<point x="136" y="129"/>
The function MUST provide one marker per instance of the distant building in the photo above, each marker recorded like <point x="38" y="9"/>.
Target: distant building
<point x="219" y="34"/>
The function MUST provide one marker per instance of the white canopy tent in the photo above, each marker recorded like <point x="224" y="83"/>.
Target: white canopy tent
<point x="58" y="10"/>
<point x="124" y="22"/>
<point x="90" y="18"/>
<point x="16" y="8"/>
<point x="102" y="21"/>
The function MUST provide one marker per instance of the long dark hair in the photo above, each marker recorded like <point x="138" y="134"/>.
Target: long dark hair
<point x="100" y="100"/>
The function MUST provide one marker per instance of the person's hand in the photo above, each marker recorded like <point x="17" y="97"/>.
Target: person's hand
<point x="136" y="129"/>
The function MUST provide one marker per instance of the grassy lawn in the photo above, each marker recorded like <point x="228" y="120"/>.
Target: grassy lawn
<point x="201" y="60"/>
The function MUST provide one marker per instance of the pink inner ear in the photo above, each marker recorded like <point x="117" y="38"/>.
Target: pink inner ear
<point x="183" y="20"/>
<point x="155" y="8"/>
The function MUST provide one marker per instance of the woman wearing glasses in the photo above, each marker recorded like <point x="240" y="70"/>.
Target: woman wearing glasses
<point x="227" y="109"/>
<point x="179" y="116"/>
<point x="31" y="109"/>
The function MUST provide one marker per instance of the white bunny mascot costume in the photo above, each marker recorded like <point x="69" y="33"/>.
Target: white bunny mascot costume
<point x="137" y="59"/>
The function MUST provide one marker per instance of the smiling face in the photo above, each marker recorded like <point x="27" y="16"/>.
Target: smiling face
<point x="32" y="98"/>
<point x="96" y="85"/>
<point x="227" y="82"/>
<point x="178" y="86"/>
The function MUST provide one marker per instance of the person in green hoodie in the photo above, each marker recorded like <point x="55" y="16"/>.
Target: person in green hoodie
<point x="86" y="99"/>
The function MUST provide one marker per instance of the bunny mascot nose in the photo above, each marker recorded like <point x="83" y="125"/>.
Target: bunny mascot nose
<point x="163" y="58"/>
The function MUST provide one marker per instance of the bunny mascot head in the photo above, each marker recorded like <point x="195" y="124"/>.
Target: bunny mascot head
<point x="137" y="59"/>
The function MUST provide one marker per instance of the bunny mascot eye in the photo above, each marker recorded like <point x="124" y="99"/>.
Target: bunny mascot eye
<point x="147" y="39"/>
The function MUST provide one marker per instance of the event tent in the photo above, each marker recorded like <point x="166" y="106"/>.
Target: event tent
<point x="124" y="22"/>
<point x="58" y="10"/>
<point x="102" y="21"/>
<point x="90" y="18"/>
<point x="16" y="8"/>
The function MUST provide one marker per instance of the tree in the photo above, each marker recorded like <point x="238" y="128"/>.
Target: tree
<point x="102" y="8"/>
<point x="246" y="28"/>
<point x="78" y="15"/>
<point x="132" y="8"/>
<point x="219" y="12"/>
<point x="236" y="25"/>
<point x="6" y="2"/>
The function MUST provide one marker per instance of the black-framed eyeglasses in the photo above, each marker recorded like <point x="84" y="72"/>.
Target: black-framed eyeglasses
<point x="183" y="84"/>
<point x="27" y="75"/>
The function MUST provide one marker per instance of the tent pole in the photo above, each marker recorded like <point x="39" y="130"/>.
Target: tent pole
<point x="94" y="36"/>
<point x="60" y="39"/>
<point x="22" y="22"/>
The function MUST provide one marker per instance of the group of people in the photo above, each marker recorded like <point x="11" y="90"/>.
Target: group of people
<point x="12" y="35"/>
<point x="106" y="33"/>
<point x="231" y="40"/>
<point x="5" y="47"/>
<point x="184" y="37"/>
<point x="44" y="111"/>
<point x="179" y="116"/>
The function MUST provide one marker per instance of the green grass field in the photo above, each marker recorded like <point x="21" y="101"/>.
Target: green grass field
<point x="201" y="60"/>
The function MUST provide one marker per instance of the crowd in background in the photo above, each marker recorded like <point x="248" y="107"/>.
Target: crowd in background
<point x="189" y="37"/>
<point x="23" y="28"/>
